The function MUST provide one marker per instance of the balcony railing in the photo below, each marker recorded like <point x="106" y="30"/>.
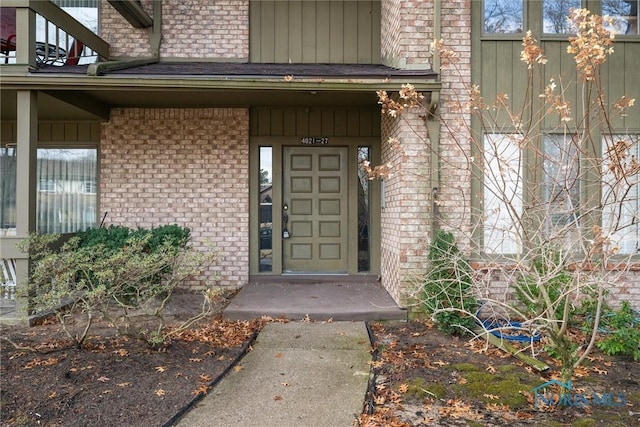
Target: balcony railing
<point x="37" y="33"/>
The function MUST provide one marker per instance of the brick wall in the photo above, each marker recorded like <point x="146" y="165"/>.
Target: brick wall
<point x="405" y="218"/>
<point x="202" y="29"/>
<point x="406" y="32"/>
<point x="455" y="140"/>
<point x="184" y="166"/>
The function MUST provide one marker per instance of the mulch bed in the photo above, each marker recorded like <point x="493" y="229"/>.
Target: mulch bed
<point x="423" y="377"/>
<point x="113" y="380"/>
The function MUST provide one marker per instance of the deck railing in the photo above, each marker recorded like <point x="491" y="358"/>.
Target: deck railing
<point x="37" y="33"/>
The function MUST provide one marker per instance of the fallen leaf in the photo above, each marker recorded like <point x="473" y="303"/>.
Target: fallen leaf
<point x="205" y="378"/>
<point x="103" y="379"/>
<point x="237" y="368"/>
<point x="160" y="369"/>
<point x="491" y="369"/>
<point x="122" y="352"/>
<point x="52" y="394"/>
<point x="285" y="384"/>
<point x="491" y="396"/>
<point x="195" y="360"/>
<point x="202" y="389"/>
<point x="403" y="388"/>
<point x="440" y="363"/>
<point x="124" y="384"/>
<point x="160" y="392"/>
<point x="278" y="355"/>
<point x="277" y="397"/>
<point x="598" y="370"/>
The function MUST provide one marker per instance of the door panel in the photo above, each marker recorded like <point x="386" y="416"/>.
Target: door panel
<point x="315" y="192"/>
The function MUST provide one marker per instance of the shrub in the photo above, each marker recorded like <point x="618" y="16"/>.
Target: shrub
<point x="447" y="293"/>
<point x="120" y="283"/>
<point x="621" y="332"/>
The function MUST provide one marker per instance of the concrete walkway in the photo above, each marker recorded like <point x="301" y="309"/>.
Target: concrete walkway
<point x="297" y="374"/>
<point x="339" y="301"/>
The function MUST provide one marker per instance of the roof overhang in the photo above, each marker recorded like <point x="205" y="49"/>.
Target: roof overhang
<point x="78" y="96"/>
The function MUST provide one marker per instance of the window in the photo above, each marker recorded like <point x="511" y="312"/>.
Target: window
<point x="66" y="199"/>
<point x="8" y="165"/>
<point x="266" y="209"/>
<point x="502" y="194"/>
<point x="364" y="211"/>
<point x="47" y="186"/>
<point x="620" y="192"/>
<point x="89" y="187"/>
<point x="503" y="16"/>
<point x="624" y="14"/>
<point x="555" y="13"/>
<point x="561" y="167"/>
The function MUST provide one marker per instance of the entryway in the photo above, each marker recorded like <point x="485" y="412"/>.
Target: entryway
<point x="313" y="210"/>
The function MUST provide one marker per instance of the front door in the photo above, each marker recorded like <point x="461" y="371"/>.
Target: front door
<point x="315" y="194"/>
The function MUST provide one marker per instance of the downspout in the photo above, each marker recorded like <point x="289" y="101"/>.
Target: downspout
<point x="155" y="38"/>
<point x="433" y="126"/>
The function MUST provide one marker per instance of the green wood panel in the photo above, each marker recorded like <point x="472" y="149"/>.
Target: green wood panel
<point x="277" y="122"/>
<point x="264" y="123"/>
<point x="376" y="34"/>
<point x="315" y="122"/>
<point x="295" y="31"/>
<point x="336" y="33"/>
<point x="289" y="127"/>
<point x="315" y="31"/>
<point x="364" y="32"/>
<point x="552" y="70"/>
<point x="340" y="122"/>
<point x="632" y="86"/>
<point x="281" y="32"/>
<point x="57" y="132"/>
<point x="267" y="31"/>
<point x="256" y="31"/>
<point x="488" y="82"/>
<point x="323" y="39"/>
<point x="353" y="122"/>
<point x="318" y="121"/>
<point x="350" y="40"/>
<point x="302" y="122"/>
<point x="8" y="132"/>
<point x="328" y="122"/>
<point x="366" y="123"/>
<point x="308" y="32"/>
<point x="568" y="76"/>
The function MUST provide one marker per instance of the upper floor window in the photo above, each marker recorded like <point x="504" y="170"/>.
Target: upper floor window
<point x="503" y="16"/>
<point x="555" y="13"/>
<point x="624" y="14"/>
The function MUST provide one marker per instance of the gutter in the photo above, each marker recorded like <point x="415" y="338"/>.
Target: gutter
<point x="155" y="39"/>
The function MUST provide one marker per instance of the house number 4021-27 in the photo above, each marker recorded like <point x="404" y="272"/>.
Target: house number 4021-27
<point x="314" y="141"/>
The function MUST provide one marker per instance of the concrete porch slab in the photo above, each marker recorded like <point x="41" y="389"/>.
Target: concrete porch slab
<point x="340" y="301"/>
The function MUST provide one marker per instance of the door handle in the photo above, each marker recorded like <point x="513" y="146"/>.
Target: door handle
<point x="285" y="220"/>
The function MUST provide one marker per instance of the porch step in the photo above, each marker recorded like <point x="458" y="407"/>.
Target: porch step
<point x="319" y="301"/>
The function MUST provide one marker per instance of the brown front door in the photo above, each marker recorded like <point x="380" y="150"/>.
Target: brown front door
<point x="315" y="195"/>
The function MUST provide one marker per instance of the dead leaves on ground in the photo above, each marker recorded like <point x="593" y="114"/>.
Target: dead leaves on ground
<point x="221" y="333"/>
